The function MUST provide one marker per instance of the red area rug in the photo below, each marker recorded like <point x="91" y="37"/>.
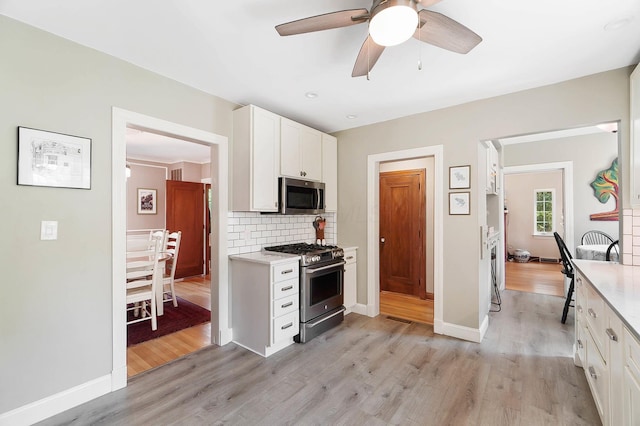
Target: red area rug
<point x="186" y="315"/>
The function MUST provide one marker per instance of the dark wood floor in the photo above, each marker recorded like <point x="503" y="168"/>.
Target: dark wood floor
<point x="371" y="371"/>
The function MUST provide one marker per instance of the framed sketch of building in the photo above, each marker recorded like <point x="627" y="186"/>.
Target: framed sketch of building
<point x="53" y="159"/>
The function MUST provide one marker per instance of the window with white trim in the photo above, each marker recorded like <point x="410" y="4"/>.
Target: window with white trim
<point x="543" y="214"/>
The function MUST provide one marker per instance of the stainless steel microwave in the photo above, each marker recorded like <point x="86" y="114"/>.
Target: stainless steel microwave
<point x="299" y="196"/>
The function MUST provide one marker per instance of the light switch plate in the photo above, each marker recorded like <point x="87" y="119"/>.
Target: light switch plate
<point x="49" y="230"/>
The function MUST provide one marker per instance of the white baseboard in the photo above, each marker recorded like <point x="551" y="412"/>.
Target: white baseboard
<point x="465" y="333"/>
<point x="56" y="404"/>
<point x="359" y="308"/>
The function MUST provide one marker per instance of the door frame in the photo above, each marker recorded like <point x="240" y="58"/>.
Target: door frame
<point x="220" y="313"/>
<point x="373" y="225"/>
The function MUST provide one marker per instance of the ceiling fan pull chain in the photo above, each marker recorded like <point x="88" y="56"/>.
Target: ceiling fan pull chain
<point x="368" y="61"/>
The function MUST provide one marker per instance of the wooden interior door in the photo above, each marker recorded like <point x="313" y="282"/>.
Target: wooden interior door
<point x="207" y="221"/>
<point x="402" y="232"/>
<point x="185" y="212"/>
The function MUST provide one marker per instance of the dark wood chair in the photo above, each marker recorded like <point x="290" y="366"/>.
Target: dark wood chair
<point x="567" y="271"/>
<point x="596" y="237"/>
<point x="614" y="247"/>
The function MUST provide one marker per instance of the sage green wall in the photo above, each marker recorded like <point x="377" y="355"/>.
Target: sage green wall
<point x="55" y="320"/>
<point x="592" y="99"/>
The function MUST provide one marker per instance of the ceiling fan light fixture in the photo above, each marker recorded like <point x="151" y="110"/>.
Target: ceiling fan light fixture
<point x="393" y="22"/>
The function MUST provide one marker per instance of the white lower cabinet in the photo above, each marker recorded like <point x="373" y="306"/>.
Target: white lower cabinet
<point x="350" y="278"/>
<point x="599" y="350"/>
<point x="265" y="303"/>
<point x="631" y="380"/>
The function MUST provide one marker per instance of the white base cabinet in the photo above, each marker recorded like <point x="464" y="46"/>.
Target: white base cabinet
<point x="350" y="278"/>
<point x="265" y="303"/>
<point x="598" y="332"/>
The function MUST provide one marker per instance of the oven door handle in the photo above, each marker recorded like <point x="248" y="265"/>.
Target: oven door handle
<point x="311" y="271"/>
<point x="312" y="324"/>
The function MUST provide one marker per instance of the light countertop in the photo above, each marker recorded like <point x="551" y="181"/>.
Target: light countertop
<point x="266" y="257"/>
<point x="619" y="286"/>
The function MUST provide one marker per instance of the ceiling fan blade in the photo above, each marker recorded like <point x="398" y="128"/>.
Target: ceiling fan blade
<point x="442" y="31"/>
<point x="367" y="58"/>
<point x="427" y="3"/>
<point x="328" y="21"/>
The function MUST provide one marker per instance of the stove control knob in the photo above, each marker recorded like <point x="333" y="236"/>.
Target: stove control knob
<point x="316" y="258"/>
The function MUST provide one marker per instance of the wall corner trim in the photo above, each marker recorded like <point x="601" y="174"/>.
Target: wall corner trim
<point x="57" y="403"/>
<point x="465" y="333"/>
<point x="362" y="309"/>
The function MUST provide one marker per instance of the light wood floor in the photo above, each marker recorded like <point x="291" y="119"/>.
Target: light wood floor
<point x="535" y="277"/>
<point x="372" y="371"/>
<point x="156" y="352"/>
<point x="406" y="307"/>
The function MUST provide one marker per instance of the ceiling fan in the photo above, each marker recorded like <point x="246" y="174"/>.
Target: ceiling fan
<point x="391" y="22"/>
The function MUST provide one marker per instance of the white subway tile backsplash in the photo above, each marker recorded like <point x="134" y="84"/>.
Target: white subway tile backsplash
<point x="248" y="231"/>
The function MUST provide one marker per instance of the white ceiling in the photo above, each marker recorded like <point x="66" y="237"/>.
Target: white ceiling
<point x="231" y="49"/>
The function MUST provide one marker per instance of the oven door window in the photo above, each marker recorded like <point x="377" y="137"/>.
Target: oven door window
<point x="325" y="286"/>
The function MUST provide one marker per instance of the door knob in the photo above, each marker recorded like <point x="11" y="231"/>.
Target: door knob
<point x="382" y="240"/>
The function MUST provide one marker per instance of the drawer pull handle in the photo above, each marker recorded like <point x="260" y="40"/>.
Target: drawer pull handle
<point x="612" y="334"/>
<point x="592" y="373"/>
<point x="288" y="271"/>
<point x="286" y="305"/>
<point x="349" y="257"/>
<point x="580" y="345"/>
<point x="284" y="327"/>
<point x="592" y="313"/>
<point x="289" y="287"/>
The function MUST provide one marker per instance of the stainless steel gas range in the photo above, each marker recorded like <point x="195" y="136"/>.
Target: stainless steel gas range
<point x="321" y="287"/>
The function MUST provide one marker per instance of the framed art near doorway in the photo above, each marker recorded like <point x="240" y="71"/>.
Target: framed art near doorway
<point x="147" y="201"/>
<point x="459" y="203"/>
<point x="460" y="177"/>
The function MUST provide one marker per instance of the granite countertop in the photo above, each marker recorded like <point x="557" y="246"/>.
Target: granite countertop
<point x="266" y="257"/>
<point x="619" y="286"/>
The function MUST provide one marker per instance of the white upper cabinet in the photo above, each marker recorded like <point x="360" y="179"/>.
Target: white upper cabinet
<point x="330" y="172"/>
<point x="256" y="159"/>
<point x="300" y="151"/>
<point x="634" y="125"/>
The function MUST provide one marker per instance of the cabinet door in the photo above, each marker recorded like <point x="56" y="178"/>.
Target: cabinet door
<point x="311" y="150"/>
<point x="290" y="149"/>
<point x="265" y="153"/>
<point x="631" y="381"/>
<point x="330" y="172"/>
<point x="350" y="278"/>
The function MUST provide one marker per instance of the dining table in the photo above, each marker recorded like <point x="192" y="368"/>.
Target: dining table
<point x="136" y="258"/>
<point x="595" y="252"/>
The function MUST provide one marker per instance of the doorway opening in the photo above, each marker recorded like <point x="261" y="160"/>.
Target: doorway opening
<point x="376" y="163"/>
<point x="179" y="172"/>
<point x="406" y="239"/>
<point x="219" y="288"/>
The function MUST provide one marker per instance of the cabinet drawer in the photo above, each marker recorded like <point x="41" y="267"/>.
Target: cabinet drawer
<point x="598" y="377"/>
<point x="285" y="289"/>
<point x="285" y="305"/>
<point x="286" y="326"/>
<point x="285" y="271"/>
<point x="350" y="256"/>
<point x="597" y="319"/>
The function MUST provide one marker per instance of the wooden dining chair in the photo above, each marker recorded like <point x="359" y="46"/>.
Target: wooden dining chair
<point x="567" y="271"/>
<point x="596" y="238"/>
<point x="162" y="235"/>
<point x="141" y="285"/>
<point x="614" y="248"/>
<point x="168" y="282"/>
